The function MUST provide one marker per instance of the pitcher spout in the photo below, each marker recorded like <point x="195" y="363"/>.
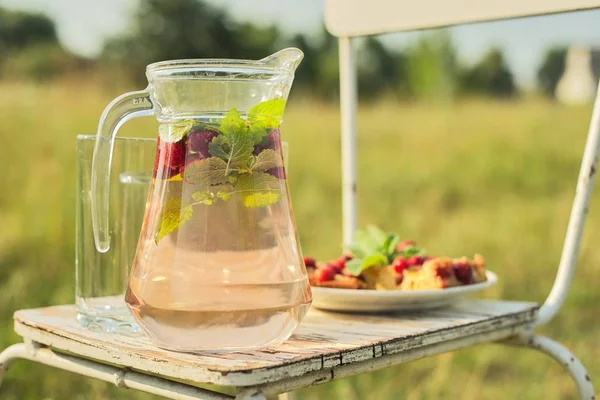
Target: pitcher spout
<point x="286" y="60"/>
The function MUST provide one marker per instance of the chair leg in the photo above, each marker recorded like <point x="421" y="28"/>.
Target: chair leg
<point x="10" y="355"/>
<point x="563" y="356"/>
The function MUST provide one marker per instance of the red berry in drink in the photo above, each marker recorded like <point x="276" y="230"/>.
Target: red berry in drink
<point x="324" y="274"/>
<point x="172" y="157"/>
<point x="274" y="139"/>
<point x="463" y="273"/>
<point x="198" y="142"/>
<point x="400" y="264"/>
<point x="271" y="141"/>
<point x="190" y="158"/>
<point x="414" y="261"/>
<point x="310" y="262"/>
<point x="277" y="172"/>
<point x="405" y="244"/>
<point x="156" y="158"/>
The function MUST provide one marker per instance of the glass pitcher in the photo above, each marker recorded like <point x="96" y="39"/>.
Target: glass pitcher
<point x="218" y="263"/>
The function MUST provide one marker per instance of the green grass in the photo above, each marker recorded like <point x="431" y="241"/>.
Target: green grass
<point x="473" y="176"/>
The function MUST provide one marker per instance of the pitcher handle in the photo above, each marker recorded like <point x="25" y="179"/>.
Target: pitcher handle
<point x="120" y="110"/>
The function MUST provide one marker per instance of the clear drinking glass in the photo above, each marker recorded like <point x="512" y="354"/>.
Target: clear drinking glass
<point x="101" y="278"/>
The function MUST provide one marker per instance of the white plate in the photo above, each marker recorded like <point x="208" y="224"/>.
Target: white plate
<point x="393" y="300"/>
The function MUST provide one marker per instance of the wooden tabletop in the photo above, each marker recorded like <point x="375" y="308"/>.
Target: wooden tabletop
<point x="323" y="342"/>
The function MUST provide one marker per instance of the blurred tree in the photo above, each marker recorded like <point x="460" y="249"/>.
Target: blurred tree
<point x="18" y="30"/>
<point x="318" y="74"/>
<point x="256" y="42"/>
<point x="432" y="67"/>
<point x="310" y="68"/>
<point x="379" y="69"/>
<point x="41" y="62"/>
<point x="489" y="76"/>
<point x="177" y="29"/>
<point x="30" y="48"/>
<point x="551" y="69"/>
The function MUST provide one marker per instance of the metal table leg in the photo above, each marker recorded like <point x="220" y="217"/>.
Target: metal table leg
<point x="9" y="356"/>
<point x="120" y="377"/>
<point x="563" y="356"/>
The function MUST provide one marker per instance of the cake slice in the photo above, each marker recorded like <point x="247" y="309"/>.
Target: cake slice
<point x="435" y="273"/>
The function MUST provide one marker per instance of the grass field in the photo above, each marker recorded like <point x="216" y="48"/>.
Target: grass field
<point x="472" y="176"/>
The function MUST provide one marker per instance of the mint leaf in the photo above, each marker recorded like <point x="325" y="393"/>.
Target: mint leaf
<point x="210" y="125"/>
<point x="267" y="159"/>
<point x="374" y="260"/>
<point x="411" y="251"/>
<point x="270" y="112"/>
<point x="218" y="147"/>
<point x="233" y="123"/>
<point x="373" y="247"/>
<point x="208" y="198"/>
<point x="259" y="130"/>
<point x="206" y="172"/>
<point x="358" y="251"/>
<point x="356" y="266"/>
<point x="364" y="244"/>
<point x="172" y="217"/>
<point x="241" y="146"/>
<point x="389" y="246"/>
<point x="203" y="197"/>
<point x="241" y="149"/>
<point x="251" y="161"/>
<point x="258" y="189"/>
<point x="235" y="144"/>
<point x="172" y="133"/>
<point x="225" y="192"/>
<point x="377" y="235"/>
<point x="264" y="117"/>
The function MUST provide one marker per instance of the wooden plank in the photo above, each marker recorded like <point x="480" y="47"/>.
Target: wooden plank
<point x="324" y="340"/>
<point x="347" y="370"/>
<point x="348" y="18"/>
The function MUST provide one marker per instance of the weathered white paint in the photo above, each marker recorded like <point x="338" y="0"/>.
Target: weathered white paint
<point x="561" y="355"/>
<point x="323" y="341"/>
<point x="356" y="368"/>
<point x="350" y="18"/>
<point x="579" y="210"/>
<point x="123" y="378"/>
<point x="348" y="101"/>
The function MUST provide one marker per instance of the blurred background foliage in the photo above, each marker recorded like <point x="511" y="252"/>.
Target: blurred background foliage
<point x="454" y="155"/>
<point x="163" y="30"/>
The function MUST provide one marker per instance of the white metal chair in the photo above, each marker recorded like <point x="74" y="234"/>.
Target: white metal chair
<point x="328" y="347"/>
<point x="349" y="19"/>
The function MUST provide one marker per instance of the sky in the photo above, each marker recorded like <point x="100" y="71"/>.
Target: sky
<point x="84" y="24"/>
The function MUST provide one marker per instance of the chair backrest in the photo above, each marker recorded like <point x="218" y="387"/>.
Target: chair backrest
<point x="349" y="18"/>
